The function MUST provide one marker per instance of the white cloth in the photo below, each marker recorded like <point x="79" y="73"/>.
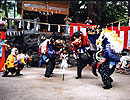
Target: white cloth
<point x="20" y="24"/>
<point x="88" y="21"/>
<point x="124" y="60"/>
<point x="28" y="25"/>
<point x="20" y="56"/>
<point x="64" y="63"/>
<point x="13" y="50"/>
<point x="43" y="46"/>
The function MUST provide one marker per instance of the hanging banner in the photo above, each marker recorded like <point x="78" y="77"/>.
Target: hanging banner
<point x="69" y="29"/>
<point x="58" y="28"/>
<point x="112" y="26"/>
<point x="37" y="28"/>
<point x="14" y="33"/>
<point x="7" y="33"/>
<point x="19" y="34"/>
<point x="20" y="23"/>
<point x="119" y="26"/>
<point x="129" y="22"/>
<point x="48" y="27"/>
<point x="28" y="25"/>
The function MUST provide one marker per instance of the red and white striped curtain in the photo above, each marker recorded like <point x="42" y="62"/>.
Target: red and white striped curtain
<point x="79" y="27"/>
<point x="123" y="32"/>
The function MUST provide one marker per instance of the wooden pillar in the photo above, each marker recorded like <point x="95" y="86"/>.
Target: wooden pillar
<point x="68" y="8"/>
<point x="10" y="24"/>
<point x="22" y="9"/>
<point x="47" y="12"/>
<point x="90" y="10"/>
<point x="14" y="9"/>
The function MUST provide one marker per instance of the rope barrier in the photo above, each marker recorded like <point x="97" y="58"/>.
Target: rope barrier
<point x="41" y="22"/>
<point x="118" y="21"/>
<point x="63" y="24"/>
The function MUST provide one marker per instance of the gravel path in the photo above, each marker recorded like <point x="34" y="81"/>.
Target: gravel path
<point x="34" y="86"/>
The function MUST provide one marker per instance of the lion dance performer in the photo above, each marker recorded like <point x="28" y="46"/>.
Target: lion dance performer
<point x="80" y="48"/>
<point x="109" y="44"/>
<point x="50" y="49"/>
<point x="13" y="65"/>
<point x="93" y="34"/>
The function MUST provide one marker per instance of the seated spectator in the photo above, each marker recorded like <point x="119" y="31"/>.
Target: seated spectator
<point x="124" y="62"/>
<point x="13" y="64"/>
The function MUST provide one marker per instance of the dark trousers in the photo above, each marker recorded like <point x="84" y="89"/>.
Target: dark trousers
<point x="81" y="63"/>
<point x="105" y="73"/>
<point x="19" y="68"/>
<point x="50" y="67"/>
<point x="12" y="70"/>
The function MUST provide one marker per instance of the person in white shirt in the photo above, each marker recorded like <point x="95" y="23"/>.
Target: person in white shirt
<point x="88" y="21"/>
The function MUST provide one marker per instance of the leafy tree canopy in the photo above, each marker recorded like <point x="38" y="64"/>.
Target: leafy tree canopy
<point x="101" y="12"/>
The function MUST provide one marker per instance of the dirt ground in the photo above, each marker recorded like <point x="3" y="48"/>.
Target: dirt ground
<point x="34" y="86"/>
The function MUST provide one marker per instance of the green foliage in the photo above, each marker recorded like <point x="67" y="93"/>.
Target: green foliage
<point x="1" y="13"/>
<point x="102" y="12"/>
<point x="76" y="13"/>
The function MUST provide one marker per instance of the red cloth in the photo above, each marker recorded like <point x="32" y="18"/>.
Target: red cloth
<point x="125" y="29"/>
<point x="2" y="59"/>
<point x="79" y="26"/>
<point x="3" y="36"/>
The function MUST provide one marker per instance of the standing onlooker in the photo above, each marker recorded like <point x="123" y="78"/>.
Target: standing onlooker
<point x="67" y="22"/>
<point x="88" y="21"/>
<point x="36" y="25"/>
<point x="7" y="49"/>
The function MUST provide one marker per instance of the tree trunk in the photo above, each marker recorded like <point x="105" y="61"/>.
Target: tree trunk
<point x="90" y="10"/>
<point x="6" y="12"/>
